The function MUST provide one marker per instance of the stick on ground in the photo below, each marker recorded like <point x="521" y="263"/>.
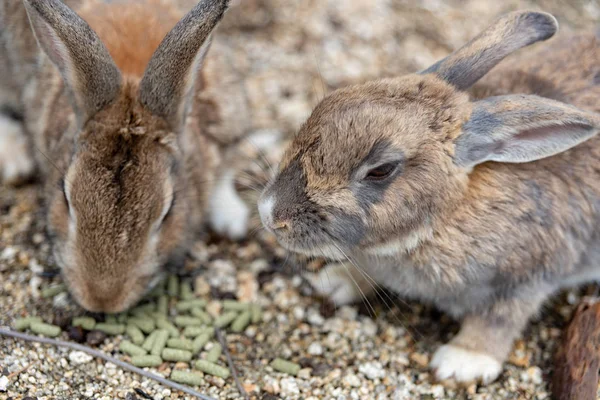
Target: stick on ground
<point x="578" y="356"/>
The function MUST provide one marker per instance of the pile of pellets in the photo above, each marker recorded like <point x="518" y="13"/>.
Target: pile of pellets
<point x="171" y="325"/>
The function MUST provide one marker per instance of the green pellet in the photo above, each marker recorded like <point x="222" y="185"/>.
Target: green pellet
<point x="176" y="355"/>
<point x="45" y="329"/>
<point x="241" y="322"/>
<point x="214" y="353"/>
<point x="146" y="361"/>
<point x="187" y="378"/>
<point x="24" y="323"/>
<point x="185" y="290"/>
<point x="52" y="291"/>
<point x="157" y="315"/>
<point x="138" y="313"/>
<point x="232" y="305"/>
<point x="163" y="305"/>
<point x="285" y="366"/>
<point x="87" y="323"/>
<point x="203" y="315"/>
<point x="122" y="318"/>
<point x="160" y="342"/>
<point x="135" y="334"/>
<point x="166" y="325"/>
<point x="225" y="319"/>
<point x="149" y="342"/>
<point x="110" y="329"/>
<point x="147" y="325"/>
<point x="193" y="331"/>
<point x="129" y="348"/>
<point x="158" y="290"/>
<point x="256" y="311"/>
<point x="199" y="342"/>
<point x="187" y="305"/>
<point x="183" y="344"/>
<point x="212" y="369"/>
<point x="173" y="286"/>
<point x="183" y="320"/>
<point x="111" y="319"/>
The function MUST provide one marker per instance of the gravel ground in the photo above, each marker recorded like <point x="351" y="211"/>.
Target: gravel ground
<point x="290" y="52"/>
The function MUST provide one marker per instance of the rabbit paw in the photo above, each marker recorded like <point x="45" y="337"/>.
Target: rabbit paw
<point x="338" y="283"/>
<point x="464" y="365"/>
<point x="16" y="164"/>
<point x="228" y="213"/>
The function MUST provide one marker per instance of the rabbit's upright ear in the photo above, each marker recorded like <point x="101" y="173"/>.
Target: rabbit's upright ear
<point x="171" y="74"/>
<point x="509" y="33"/>
<point x="89" y="72"/>
<point x="521" y="128"/>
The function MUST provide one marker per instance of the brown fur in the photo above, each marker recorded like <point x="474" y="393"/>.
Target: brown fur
<point x="487" y="243"/>
<point x="143" y="23"/>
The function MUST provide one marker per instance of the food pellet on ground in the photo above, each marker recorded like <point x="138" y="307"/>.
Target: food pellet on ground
<point x="24" y="323"/>
<point x="87" y="323"/>
<point x="149" y="342"/>
<point x="201" y="314"/>
<point x="241" y="322"/>
<point x="110" y="329"/>
<point x="183" y="320"/>
<point x="212" y="368"/>
<point x="214" y="353"/>
<point x="147" y="324"/>
<point x="233" y="305"/>
<point x="183" y="344"/>
<point x="173" y="286"/>
<point x="160" y="342"/>
<point x="44" y="329"/>
<point x="146" y="361"/>
<point x="188" y="378"/>
<point x="185" y="290"/>
<point x="52" y="291"/>
<point x="136" y="335"/>
<point x="127" y="347"/>
<point x="199" y="342"/>
<point x="186" y="305"/>
<point x="225" y="319"/>
<point x="166" y="325"/>
<point x="176" y="355"/>
<point x="285" y="366"/>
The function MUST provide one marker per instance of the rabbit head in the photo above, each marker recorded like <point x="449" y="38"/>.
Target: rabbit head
<point x="375" y="165"/>
<point x="121" y="209"/>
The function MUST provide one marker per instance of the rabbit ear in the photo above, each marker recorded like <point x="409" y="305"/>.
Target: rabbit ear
<point x="171" y="73"/>
<point x="89" y="72"/>
<point x="521" y="128"/>
<point x="509" y="33"/>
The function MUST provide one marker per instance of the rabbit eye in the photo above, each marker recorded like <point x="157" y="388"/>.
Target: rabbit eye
<point x="381" y="172"/>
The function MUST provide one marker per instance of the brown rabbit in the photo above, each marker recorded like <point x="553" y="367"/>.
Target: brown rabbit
<point x="118" y="118"/>
<point x="483" y="206"/>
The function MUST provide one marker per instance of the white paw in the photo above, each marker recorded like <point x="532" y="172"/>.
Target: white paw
<point x="16" y="164"/>
<point x="228" y="213"/>
<point x="336" y="282"/>
<point x="464" y="365"/>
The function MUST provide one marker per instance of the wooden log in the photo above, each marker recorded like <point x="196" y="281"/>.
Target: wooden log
<point x="577" y="359"/>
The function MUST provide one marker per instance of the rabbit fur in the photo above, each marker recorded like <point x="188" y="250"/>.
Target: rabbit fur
<point x="481" y="200"/>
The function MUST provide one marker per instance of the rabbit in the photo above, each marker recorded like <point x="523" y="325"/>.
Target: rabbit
<point x="114" y="102"/>
<point x="481" y="198"/>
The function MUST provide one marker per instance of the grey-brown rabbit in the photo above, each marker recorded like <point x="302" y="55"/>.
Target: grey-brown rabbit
<point x="483" y="206"/>
<point x="124" y="136"/>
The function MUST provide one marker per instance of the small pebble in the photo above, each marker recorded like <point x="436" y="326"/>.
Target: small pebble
<point x="94" y="338"/>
